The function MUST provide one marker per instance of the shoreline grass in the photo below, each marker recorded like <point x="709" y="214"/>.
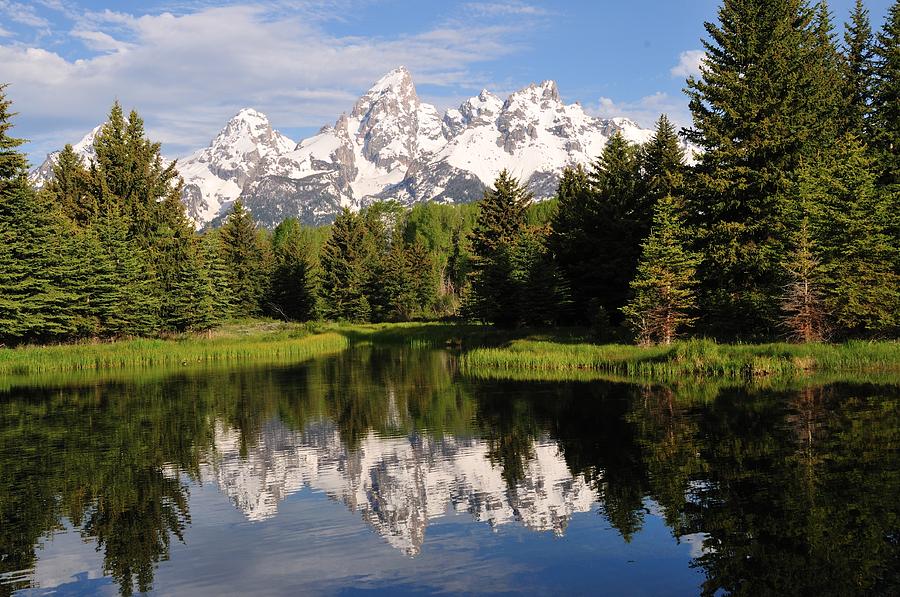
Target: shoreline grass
<point x="694" y="358"/>
<point x="484" y="352"/>
<point x="229" y="344"/>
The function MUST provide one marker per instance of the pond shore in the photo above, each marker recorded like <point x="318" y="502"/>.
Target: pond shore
<point x="484" y="351"/>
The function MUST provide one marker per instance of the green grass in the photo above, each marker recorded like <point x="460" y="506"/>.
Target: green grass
<point x="244" y="342"/>
<point x="486" y="352"/>
<point x="697" y="358"/>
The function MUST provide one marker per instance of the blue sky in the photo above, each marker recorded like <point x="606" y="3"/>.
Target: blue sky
<point x="188" y="65"/>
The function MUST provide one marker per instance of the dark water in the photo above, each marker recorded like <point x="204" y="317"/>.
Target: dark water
<point x="386" y="471"/>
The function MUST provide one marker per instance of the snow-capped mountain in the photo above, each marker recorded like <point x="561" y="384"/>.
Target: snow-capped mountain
<point x="84" y="148"/>
<point x="396" y="484"/>
<point x="391" y="145"/>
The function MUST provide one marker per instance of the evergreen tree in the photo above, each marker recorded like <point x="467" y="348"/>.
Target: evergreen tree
<point x="664" y="287"/>
<point x="244" y="258"/>
<point x="803" y="307"/>
<point x="34" y="295"/>
<point x="616" y="218"/>
<point x="421" y="274"/>
<point x="759" y="106"/>
<point x="885" y="129"/>
<point x="189" y="301"/>
<point x="123" y="283"/>
<point x="850" y="221"/>
<point x="69" y="185"/>
<point x="542" y="294"/>
<point x="343" y="270"/>
<point x="293" y="282"/>
<point x="500" y="220"/>
<point x="858" y="70"/>
<point x="216" y="270"/>
<point x="663" y="162"/>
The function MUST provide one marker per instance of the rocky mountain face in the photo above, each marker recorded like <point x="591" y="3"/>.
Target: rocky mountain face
<point x="391" y="145"/>
<point x="397" y="485"/>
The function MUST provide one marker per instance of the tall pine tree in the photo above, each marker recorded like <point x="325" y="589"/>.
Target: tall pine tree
<point x="857" y="86"/>
<point x="664" y="288"/>
<point x="344" y="274"/>
<point x="245" y="259"/>
<point x="759" y="107"/>
<point x="500" y="221"/>
<point x="885" y="127"/>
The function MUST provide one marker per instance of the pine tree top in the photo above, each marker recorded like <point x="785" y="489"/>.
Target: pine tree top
<point x="12" y="163"/>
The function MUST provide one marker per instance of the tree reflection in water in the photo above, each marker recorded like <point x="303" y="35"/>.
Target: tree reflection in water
<point x="794" y="489"/>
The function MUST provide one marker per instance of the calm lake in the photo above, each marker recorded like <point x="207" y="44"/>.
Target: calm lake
<point x="387" y="471"/>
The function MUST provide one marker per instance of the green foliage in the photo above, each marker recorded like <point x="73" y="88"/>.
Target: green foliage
<point x="803" y="308"/>
<point x="850" y="220"/>
<point x="244" y="253"/>
<point x="858" y="52"/>
<point x="344" y="276"/>
<point x="501" y="219"/>
<point x="601" y="220"/>
<point x="664" y="287"/>
<point x="765" y="100"/>
<point x="70" y="186"/>
<point x="294" y="282"/>
<point x="885" y="129"/>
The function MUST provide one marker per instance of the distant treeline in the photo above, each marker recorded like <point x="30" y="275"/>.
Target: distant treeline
<point x="787" y="226"/>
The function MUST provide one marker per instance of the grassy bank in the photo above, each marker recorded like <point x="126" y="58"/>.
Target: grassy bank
<point x="251" y="342"/>
<point x="697" y="358"/>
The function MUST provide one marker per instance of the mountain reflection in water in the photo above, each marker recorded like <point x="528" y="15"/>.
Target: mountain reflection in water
<point x="771" y="490"/>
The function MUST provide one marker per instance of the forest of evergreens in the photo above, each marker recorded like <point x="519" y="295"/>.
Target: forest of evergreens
<point x="786" y="225"/>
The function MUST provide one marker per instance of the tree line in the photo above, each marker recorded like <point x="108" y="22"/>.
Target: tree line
<point x="785" y="224"/>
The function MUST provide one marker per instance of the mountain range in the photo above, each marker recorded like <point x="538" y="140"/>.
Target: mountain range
<point x="391" y="145"/>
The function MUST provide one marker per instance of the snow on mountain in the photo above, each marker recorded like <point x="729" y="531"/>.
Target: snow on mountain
<point x="216" y="175"/>
<point x="84" y="148"/>
<point x="391" y="145"/>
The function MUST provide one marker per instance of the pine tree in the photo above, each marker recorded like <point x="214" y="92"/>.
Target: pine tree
<point x="500" y="220"/>
<point x="245" y="259"/>
<point x="344" y="276"/>
<point x="619" y="213"/>
<point x="826" y="94"/>
<point x="858" y="69"/>
<point x="759" y="108"/>
<point x="33" y="293"/>
<point x="189" y="301"/>
<point x="543" y="297"/>
<point x="662" y="160"/>
<point x="885" y="129"/>
<point x="69" y="186"/>
<point x="123" y="283"/>
<point x="664" y="287"/>
<point x="850" y="221"/>
<point x="803" y="308"/>
<point x="216" y="270"/>
<point x="294" y="293"/>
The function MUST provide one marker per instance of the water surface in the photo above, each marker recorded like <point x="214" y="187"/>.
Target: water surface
<point x="384" y="470"/>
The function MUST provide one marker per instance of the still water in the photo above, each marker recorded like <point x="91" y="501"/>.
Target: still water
<point x="387" y="471"/>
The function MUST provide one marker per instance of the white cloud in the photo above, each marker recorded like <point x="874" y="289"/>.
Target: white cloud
<point x="512" y="8"/>
<point x="5" y="33"/>
<point x="23" y="14"/>
<point x="186" y="74"/>
<point x="688" y="64"/>
<point x="646" y="110"/>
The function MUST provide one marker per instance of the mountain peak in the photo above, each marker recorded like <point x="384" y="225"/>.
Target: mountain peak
<point x="396" y="80"/>
<point x="250" y="114"/>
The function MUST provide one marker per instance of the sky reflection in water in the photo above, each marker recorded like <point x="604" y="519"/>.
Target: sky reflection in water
<point x="385" y="470"/>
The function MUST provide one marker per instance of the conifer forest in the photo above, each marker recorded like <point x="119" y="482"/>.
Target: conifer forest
<point x="783" y="224"/>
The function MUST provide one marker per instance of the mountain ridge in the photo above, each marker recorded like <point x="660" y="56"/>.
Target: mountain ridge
<point x="390" y="145"/>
